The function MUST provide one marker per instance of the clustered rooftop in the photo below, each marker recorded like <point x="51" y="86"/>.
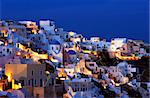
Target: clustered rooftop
<point x="44" y="56"/>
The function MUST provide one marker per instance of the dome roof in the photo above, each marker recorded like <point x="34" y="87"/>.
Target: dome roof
<point x="122" y="64"/>
<point x="71" y="52"/>
<point x="54" y="42"/>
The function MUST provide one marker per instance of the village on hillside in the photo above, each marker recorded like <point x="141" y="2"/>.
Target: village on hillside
<point x="41" y="60"/>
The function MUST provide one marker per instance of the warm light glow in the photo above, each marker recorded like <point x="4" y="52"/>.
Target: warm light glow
<point x="1" y="87"/>
<point x="63" y="79"/>
<point x="36" y="56"/>
<point x="53" y="60"/>
<point x="34" y="31"/>
<point x="79" y="68"/>
<point x="133" y="57"/>
<point x="19" y="85"/>
<point x="6" y="43"/>
<point x="125" y="80"/>
<point x="71" y="33"/>
<point x="35" y="59"/>
<point x="15" y="86"/>
<point x="18" y="53"/>
<point x="21" y="46"/>
<point x="104" y="87"/>
<point x="41" y="56"/>
<point x="13" y="30"/>
<point x="94" y="52"/>
<point x="117" y="84"/>
<point x="5" y="33"/>
<point x="62" y="73"/>
<point x="87" y="51"/>
<point x="47" y="72"/>
<point x="9" y="77"/>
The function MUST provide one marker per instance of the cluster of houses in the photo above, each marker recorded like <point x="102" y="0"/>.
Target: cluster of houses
<point x="41" y="60"/>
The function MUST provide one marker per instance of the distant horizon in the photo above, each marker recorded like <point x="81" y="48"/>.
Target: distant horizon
<point x="105" y="19"/>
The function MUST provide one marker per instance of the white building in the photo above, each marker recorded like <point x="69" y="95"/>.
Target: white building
<point x="117" y="43"/>
<point x="81" y="88"/>
<point x="5" y="50"/>
<point x="125" y="68"/>
<point x="55" y="50"/>
<point x="94" y="67"/>
<point x="95" y="39"/>
<point x="48" y="26"/>
<point x="69" y="44"/>
<point x="1" y="43"/>
<point x="102" y="45"/>
<point x="116" y="73"/>
<point x="88" y="46"/>
<point x="28" y="23"/>
<point x="79" y="84"/>
<point x="76" y="38"/>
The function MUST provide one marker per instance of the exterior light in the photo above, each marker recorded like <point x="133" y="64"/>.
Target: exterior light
<point x="1" y="88"/>
<point x="117" y="84"/>
<point x="47" y="72"/>
<point x="15" y="86"/>
<point x="9" y="77"/>
<point x="56" y="30"/>
<point x="13" y="30"/>
<point x="18" y="53"/>
<point x="6" y="43"/>
<point x="71" y="33"/>
<point x="35" y="59"/>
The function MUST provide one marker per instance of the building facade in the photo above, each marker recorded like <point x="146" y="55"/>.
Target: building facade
<point x="28" y="74"/>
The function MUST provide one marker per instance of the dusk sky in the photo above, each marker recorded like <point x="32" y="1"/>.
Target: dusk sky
<point x="103" y="18"/>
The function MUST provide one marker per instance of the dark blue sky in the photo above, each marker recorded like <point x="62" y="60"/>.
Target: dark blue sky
<point x="103" y="18"/>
